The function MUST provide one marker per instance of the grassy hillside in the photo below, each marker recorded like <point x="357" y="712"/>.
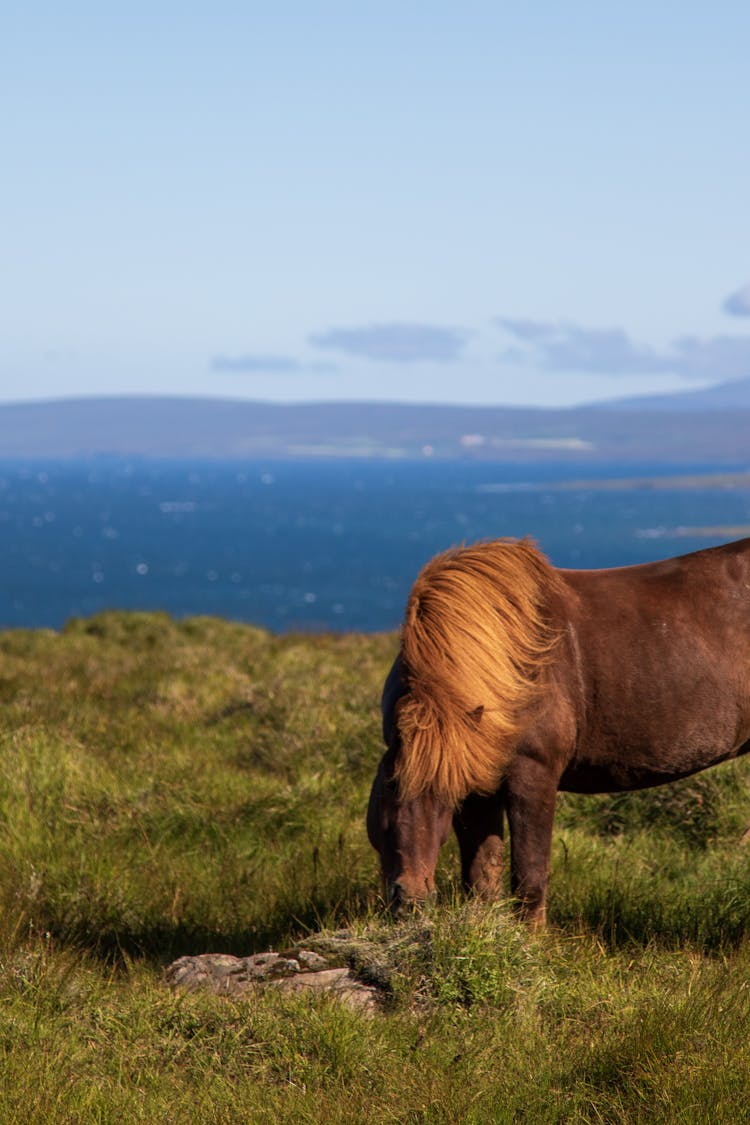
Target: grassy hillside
<point x="200" y="786"/>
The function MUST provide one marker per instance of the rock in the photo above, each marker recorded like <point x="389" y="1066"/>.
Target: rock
<point x="222" y="973"/>
<point x="305" y="971"/>
<point x="340" y="983"/>
<point x="311" y="961"/>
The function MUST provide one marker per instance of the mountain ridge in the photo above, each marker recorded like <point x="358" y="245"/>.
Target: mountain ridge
<point x="731" y="395"/>
<point x="184" y="427"/>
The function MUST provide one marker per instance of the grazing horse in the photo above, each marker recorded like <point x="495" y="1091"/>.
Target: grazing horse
<point x="515" y="680"/>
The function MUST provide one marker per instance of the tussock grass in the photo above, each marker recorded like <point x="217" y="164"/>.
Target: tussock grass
<point x="180" y="787"/>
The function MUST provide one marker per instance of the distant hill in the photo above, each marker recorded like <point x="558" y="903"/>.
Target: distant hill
<point x="725" y="396"/>
<point x="714" y="428"/>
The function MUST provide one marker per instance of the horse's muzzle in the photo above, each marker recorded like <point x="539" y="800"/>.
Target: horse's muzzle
<point x="401" y="903"/>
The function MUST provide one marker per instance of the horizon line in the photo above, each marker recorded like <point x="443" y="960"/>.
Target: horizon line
<point x="131" y="396"/>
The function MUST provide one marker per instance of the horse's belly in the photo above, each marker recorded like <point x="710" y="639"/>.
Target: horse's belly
<point x="627" y="764"/>
<point x="581" y="777"/>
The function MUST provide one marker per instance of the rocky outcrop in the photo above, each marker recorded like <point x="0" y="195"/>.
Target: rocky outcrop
<point x="301" y="971"/>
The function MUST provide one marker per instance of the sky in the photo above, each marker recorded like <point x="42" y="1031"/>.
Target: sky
<point x="483" y="202"/>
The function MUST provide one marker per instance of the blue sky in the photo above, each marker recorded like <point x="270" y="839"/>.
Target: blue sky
<point x="486" y="202"/>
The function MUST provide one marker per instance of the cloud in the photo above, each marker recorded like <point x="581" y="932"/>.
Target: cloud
<point x="267" y="365"/>
<point x="395" y="343"/>
<point x="567" y="347"/>
<point x="722" y="357"/>
<point x="609" y="351"/>
<point x="738" y="304"/>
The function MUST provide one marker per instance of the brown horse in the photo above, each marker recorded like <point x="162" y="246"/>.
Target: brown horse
<point x="516" y="680"/>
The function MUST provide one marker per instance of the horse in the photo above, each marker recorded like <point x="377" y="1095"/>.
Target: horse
<point x="516" y="680"/>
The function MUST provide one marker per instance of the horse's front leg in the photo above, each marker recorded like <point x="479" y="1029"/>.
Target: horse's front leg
<point x="531" y="793"/>
<point x="478" y="825"/>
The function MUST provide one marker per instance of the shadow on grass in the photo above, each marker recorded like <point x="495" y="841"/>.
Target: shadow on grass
<point x="620" y="925"/>
<point x="159" y="942"/>
<point x="716" y="925"/>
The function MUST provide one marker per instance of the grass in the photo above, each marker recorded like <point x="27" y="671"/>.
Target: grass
<point x="171" y="788"/>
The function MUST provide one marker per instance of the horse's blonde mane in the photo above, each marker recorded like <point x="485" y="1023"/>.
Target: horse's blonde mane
<point x="475" y="637"/>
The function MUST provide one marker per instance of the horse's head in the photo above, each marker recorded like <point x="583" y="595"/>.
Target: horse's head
<point x="408" y="835"/>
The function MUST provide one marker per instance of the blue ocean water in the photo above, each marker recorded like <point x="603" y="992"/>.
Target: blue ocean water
<point x="308" y="545"/>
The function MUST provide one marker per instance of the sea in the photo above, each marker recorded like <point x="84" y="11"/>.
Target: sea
<point x="317" y="545"/>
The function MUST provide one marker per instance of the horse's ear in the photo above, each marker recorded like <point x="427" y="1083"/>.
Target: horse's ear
<point x="477" y="713"/>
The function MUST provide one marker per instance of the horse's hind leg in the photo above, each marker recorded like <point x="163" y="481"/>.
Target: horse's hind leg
<point x="479" y="828"/>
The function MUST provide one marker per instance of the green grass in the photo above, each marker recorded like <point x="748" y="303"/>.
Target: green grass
<point x="170" y="788"/>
